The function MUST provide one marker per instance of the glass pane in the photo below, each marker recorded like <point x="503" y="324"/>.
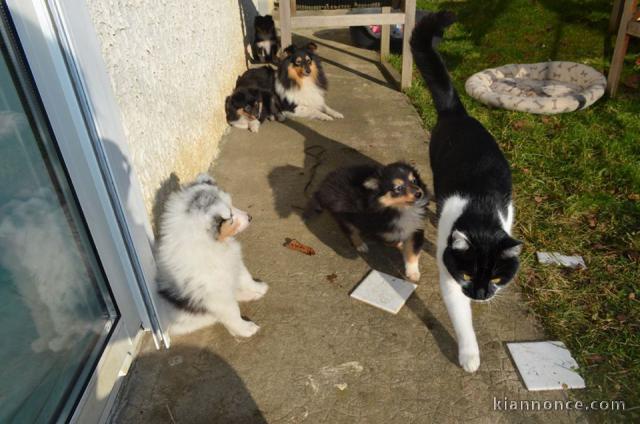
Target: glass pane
<point x="55" y="308"/>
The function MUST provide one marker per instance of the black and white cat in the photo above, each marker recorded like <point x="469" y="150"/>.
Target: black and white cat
<point x="472" y="181"/>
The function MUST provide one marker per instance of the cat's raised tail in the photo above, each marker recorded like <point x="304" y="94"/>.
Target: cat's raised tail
<point x="424" y="40"/>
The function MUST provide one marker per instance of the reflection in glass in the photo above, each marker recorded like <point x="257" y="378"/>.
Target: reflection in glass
<point x="55" y="309"/>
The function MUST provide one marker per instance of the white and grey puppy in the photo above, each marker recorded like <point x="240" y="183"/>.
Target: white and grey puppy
<point x="202" y="276"/>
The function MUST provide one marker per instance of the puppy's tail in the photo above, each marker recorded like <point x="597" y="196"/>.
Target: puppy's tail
<point x="424" y="40"/>
<point x="313" y="209"/>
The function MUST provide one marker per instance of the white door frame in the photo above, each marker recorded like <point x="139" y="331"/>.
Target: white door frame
<point x="63" y="54"/>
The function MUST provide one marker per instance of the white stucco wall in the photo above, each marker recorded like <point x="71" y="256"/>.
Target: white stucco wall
<point x="172" y="63"/>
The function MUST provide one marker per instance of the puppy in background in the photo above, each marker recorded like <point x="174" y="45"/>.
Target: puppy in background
<point x="386" y="203"/>
<point x="202" y="276"/>
<point x="265" y="40"/>
<point x="253" y="100"/>
<point x="302" y="84"/>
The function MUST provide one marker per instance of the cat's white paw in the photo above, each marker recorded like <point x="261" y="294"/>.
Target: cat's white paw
<point x="337" y="115"/>
<point x="246" y="329"/>
<point x="362" y="248"/>
<point x="469" y="361"/>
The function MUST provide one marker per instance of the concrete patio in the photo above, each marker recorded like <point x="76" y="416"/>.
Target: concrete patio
<point x="321" y="357"/>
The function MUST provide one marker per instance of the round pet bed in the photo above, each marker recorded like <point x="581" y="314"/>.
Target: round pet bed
<point x="546" y="88"/>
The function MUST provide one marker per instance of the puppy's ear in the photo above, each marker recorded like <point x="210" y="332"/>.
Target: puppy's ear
<point x="228" y="107"/>
<point x="289" y="51"/>
<point x="204" y="178"/>
<point x="371" y="183"/>
<point x="312" y="46"/>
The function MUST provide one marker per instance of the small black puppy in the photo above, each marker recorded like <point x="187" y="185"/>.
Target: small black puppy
<point x="265" y="40"/>
<point x="387" y="203"/>
<point x="253" y="100"/>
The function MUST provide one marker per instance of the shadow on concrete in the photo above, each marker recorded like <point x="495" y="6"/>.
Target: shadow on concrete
<point x="195" y="386"/>
<point x="446" y="343"/>
<point x="248" y="13"/>
<point x="292" y="187"/>
<point x="388" y="81"/>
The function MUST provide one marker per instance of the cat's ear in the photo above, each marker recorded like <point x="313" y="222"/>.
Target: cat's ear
<point x="371" y="183"/>
<point x="511" y="248"/>
<point x="459" y="241"/>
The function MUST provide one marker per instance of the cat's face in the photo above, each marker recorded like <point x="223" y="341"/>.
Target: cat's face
<point x="482" y="265"/>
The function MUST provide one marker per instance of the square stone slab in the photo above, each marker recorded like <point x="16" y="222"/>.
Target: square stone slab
<point x="546" y="365"/>
<point x="384" y="291"/>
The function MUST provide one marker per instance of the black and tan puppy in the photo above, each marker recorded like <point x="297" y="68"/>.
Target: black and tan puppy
<point x="386" y="203"/>
<point x="301" y="84"/>
<point x="265" y="40"/>
<point x="253" y="100"/>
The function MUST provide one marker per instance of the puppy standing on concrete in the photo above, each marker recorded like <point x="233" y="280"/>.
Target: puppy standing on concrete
<point x="387" y="203"/>
<point x="202" y="276"/>
<point x="301" y="84"/>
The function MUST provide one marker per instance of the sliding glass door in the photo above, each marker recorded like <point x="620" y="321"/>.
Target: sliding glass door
<point x="56" y="307"/>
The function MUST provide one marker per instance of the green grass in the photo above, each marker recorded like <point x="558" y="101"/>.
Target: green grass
<point x="576" y="181"/>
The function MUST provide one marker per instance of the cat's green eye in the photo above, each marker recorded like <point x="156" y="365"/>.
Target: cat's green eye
<point x="466" y="277"/>
<point x="495" y="280"/>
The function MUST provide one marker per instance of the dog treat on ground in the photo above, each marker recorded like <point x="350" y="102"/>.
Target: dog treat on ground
<point x="294" y="244"/>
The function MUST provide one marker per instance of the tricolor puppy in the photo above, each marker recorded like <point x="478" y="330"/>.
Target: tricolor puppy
<point x="265" y="40"/>
<point x="301" y="84"/>
<point x="253" y="100"/>
<point x="201" y="273"/>
<point x="387" y="203"/>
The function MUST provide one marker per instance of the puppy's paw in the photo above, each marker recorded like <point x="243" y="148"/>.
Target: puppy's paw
<point x="337" y="115"/>
<point x="280" y="117"/>
<point x="413" y="274"/>
<point x="252" y="292"/>
<point x="362" y="248"/>
<point x="246" y="329"/>
<point x="254" y="126"/>
<point x="469" y="361"/>
<point x="258" y="289"/>
<point x="324" y="117"/>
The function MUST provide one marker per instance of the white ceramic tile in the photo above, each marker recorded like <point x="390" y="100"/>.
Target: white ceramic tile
<point x="546" y="365"/>
<point x="560" y="259"/>
<point x="383" y="291"/>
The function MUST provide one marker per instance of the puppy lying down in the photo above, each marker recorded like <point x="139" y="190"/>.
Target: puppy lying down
<point x="202" y="276"/>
